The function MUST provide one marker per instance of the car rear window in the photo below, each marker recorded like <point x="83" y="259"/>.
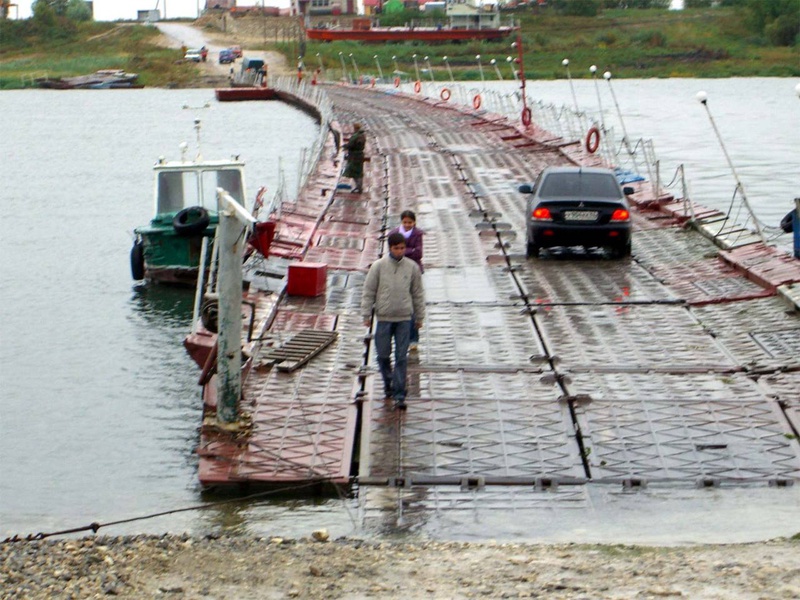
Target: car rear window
<point x="580" y="185"/>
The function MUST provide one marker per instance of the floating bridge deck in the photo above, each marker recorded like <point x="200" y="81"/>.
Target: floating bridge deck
<point x="537" y="379"/>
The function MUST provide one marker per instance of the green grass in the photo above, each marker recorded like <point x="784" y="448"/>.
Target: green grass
<point x="629" y="43"/>
<point x="24" y="55"/>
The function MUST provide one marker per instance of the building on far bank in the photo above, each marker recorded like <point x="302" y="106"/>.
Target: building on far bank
<point x="152" y="15"/>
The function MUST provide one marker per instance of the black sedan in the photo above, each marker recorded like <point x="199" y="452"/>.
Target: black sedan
<point x="578" y="206"/>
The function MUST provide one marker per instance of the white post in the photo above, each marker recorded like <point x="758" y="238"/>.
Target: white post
<point x="565" y="62"/>
<point x="201" y="275"/>
<point x="607" y="77"/>
<point x="593" y="71"/>
<point x="430" y="70"/>
<point x="355" y="68"/>
<point x="449" y="70"/>
<point x="702" y="97"/>
<point x="510" y="61"/>
<point x="493" y="62"/>
<point x="345" y="76"/>
<point x="234" y="220"/>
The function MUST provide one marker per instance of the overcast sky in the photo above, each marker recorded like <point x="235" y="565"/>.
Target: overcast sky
<point x="112" y="10"/>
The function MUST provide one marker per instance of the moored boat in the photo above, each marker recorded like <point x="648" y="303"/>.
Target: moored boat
<point x="169" y="248"/>
<point x="234" y="94"/>
<point x="466" y="20"/>
<point x="403" y="34"/>
<point x="102" y="79"/>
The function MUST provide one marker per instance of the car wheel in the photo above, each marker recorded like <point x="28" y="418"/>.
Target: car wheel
<point x="532" y="250"/>
<point x="623" y="251"/>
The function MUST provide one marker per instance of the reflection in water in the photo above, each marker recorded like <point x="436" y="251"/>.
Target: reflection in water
<point x="163" y="306"/>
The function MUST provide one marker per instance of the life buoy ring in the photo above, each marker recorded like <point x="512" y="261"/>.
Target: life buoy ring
<point x="396" y="82"/>
<point x="417" y="86"/>
<point x="526" y="116"/>
<point x="137" y="260"/>
<point x="445" y="94"/>
<point x="476" y="102"/>
<point x="592" y="140"/>
<point x="191" y="221"/>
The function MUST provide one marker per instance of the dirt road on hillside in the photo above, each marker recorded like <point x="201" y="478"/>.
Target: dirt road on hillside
<point x="176" y="35"/>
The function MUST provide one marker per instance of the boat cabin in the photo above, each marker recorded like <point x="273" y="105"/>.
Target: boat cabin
<point x="470" y="14"/>
<point x="180" y="185"/>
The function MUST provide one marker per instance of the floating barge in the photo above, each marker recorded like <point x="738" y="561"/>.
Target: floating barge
<point x="238" y="94"/>
<point x="430" y="35"/>
<point x="548" y="382"/>
<point x="103" y="79"/>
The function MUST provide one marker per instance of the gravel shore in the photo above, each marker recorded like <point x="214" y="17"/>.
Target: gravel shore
<point x="238" y="568"/>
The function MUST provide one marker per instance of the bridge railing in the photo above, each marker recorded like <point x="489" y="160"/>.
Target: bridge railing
<point x="636" y="159"/>
<point x="312" y="96"/>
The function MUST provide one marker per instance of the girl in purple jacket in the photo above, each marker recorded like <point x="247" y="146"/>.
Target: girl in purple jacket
<point x="413" y="235"/>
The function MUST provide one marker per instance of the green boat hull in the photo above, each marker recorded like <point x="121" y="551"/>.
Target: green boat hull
<point x="170" y="256"/>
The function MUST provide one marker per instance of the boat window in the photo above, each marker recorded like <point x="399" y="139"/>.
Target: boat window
<point x="181" y="189"/>
<point x="171" y="188"/>
<point x="231" y="182"/>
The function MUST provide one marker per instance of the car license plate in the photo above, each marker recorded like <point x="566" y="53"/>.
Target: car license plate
<point x="580" y="215"/>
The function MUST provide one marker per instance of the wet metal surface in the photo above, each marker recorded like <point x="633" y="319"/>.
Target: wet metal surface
<point x="611" y="373"/>
<point x="572" y="381"/>
<point x="706" y="428"/>
<point x="496" y="428"/>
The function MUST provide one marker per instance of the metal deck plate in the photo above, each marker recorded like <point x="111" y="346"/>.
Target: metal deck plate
<point x="446" y="244"/>
<point x="299" y="431"/>
<point x="463" y="285"/>
<point x="342" y="293"/>
<point x="590" y="513"/>
<point x="783" y="387"/>
<point x="630" y="337"/>
<point x="689" y="427"/>
<point x="692" y="268"/>
<point x="466" y="513"/>
<point x="498" y="427"/>
<point x="491" y="335"/>
<point x="590" y="282"/>
<point x="672" y="247"/>
<point x="760" y="334"/>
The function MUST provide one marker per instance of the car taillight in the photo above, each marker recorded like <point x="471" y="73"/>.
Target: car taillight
<point x="542" y="214"/>
<point x="621" y="215"/>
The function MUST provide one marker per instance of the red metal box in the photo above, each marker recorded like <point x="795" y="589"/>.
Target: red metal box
<point x="307" y="279"/>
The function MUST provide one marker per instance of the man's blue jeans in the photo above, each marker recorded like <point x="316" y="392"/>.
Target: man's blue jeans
<point x="394" y="380"/>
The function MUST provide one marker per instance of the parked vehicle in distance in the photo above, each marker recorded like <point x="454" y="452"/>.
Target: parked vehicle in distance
<point x="237" y="51"/>
<point x="226" y="56"/>
<point x="578" y="206"/>
<point x="193" y="56"/>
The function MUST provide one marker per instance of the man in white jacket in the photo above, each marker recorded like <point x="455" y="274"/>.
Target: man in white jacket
<point x="393" y="288"/>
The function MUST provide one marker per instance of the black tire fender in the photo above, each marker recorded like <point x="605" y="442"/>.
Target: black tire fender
<point x="191" y="221"/>
<point x="137" y="260"/>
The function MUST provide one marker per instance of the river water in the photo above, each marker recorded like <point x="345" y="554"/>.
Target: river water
<point x="99" y="406"/>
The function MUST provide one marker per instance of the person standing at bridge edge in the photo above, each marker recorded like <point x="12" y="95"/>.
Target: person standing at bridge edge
<point x="393" y="288"/>
<point x="413" y="236"/>
<point x="354" y="149"/>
